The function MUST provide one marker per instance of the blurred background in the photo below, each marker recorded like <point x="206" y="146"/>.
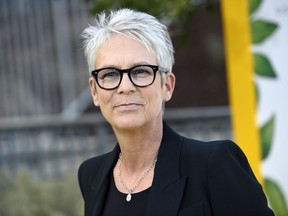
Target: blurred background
<point x="48" y="124"/>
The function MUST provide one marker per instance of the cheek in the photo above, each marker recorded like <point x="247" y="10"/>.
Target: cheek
<point x="156" y="98"/>
<point x="104" y="98"/>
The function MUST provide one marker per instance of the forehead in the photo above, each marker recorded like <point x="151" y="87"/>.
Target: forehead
<point x="123" y="51"/>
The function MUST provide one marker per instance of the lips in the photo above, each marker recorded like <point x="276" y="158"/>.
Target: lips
<point x="128" y="106"/>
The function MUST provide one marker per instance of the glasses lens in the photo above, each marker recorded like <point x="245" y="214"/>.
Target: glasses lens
<point x="142" y="75"/>
<point x="108" y="78"/>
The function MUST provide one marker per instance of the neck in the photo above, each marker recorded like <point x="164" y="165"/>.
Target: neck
<point x="139" y="147"/>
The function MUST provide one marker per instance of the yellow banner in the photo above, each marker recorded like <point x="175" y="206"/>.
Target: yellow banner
<point x="240" y="80"/>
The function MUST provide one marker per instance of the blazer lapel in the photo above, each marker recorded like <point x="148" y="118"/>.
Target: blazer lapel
<point x="168" y="186"/>
<point x="101" y="183"/>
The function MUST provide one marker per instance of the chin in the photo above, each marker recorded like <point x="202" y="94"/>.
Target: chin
<point x="134" y="120"/>
<point x="129" y="122"/>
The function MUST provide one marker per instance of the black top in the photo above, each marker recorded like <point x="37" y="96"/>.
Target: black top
<point x="117" y="205"/>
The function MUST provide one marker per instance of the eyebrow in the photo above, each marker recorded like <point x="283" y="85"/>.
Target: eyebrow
<point x="132" y="65"/>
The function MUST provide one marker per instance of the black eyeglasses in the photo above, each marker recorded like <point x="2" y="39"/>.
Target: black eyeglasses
<point x="109" y="78"/>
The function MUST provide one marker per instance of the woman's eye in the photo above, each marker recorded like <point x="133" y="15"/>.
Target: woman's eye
<point x="141" y="72"/>
<point x="109" y="75"/>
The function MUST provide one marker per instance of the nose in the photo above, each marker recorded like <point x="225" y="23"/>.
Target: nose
<point x="126" y="85"/>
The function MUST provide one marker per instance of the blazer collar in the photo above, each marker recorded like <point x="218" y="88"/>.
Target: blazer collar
<point x="101" y="183"/>
<point x="168" y="186"/>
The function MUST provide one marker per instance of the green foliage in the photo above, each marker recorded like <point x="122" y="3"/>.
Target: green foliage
<point x="263" y="66"/>
<point x="174" y="10"/>
<point x="266" y="135"/>
<point x="177" y="13"/>
<point x="256" y="92"/>
<point x="262" y="29"/>
<point x="276" y="198"/>
<point x="158" y="8"/>
<point x="253" y="5"/>
<point x="28" y="195"/>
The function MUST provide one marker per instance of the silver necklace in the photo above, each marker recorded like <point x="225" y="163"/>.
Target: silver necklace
<point x="130" y="191"/>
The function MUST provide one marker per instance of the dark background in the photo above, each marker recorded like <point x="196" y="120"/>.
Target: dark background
<point x="199" y="63"/>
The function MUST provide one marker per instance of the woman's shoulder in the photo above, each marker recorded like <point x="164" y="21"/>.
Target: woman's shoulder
<point x="94" y="162"/>
<point x="211" y="150"/>
<point x="213" y="153"/>
<point x="208" y="146"/>
<point x="90" y="167"/>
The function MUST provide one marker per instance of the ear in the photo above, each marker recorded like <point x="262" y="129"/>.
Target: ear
<point x="169" y="86"/>
<point x="93" y="90"/>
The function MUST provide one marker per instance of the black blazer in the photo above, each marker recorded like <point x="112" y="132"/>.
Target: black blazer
<point x="190" y="178"/>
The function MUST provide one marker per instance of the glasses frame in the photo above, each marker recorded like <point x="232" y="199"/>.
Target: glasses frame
<point x="155" y="68"/>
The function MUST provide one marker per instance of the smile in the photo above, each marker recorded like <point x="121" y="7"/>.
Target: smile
<point x="129" y="106"/>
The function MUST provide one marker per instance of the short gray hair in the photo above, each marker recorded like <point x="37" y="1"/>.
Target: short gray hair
<point x="138" y="25"/>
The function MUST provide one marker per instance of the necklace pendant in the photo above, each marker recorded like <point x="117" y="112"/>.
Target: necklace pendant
<point x="128" y="197"/>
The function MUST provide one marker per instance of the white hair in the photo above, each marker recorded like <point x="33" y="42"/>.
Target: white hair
<point x="138" y="25"/>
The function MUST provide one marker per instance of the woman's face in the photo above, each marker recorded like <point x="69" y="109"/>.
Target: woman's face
<point x="128" y="106"/>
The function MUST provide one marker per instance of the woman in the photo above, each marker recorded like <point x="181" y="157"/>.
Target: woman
<point x="153" y="170"/>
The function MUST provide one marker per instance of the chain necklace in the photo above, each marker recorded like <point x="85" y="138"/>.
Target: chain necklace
<point x="130" y="191"/>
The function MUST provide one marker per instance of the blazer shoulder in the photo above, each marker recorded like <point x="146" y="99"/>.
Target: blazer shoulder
<point x="90" y="166"/>
<point x="205" y="149"/>
<point x="89" y="170"/>
<point x="203" y="154"/>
